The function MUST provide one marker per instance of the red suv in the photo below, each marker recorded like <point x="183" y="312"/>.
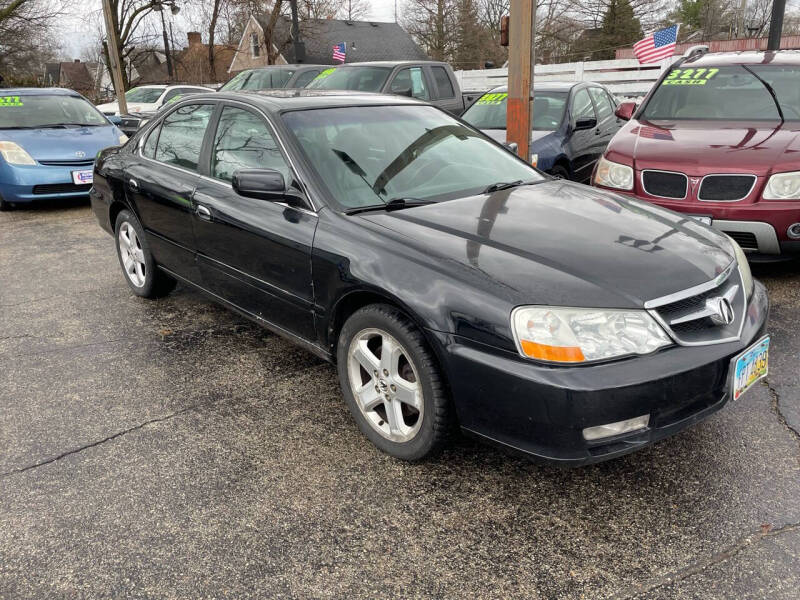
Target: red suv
<point x="718" y="138"/>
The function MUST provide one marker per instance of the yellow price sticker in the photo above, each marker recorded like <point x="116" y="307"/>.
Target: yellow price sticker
<point x="689" y="76"/>
<point x="492" y="98"/>
<point x="10" y="101"/>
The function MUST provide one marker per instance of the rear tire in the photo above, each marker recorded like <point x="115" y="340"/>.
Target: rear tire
<point x="392" y="383"/>
<point x="136" y="260"/>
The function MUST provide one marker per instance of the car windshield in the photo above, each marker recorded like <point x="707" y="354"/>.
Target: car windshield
<point x="259" y="79"/>
<point x="145" y="95"/>
<point x="726" y="93"/>
<point x="489" y="111"/>
<point x="367" y="156"/>
<point x="47" y="111"/>
<point x="363" y="79"/>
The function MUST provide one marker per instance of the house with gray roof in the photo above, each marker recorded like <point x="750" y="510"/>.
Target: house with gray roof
<point x="366" y="41"/>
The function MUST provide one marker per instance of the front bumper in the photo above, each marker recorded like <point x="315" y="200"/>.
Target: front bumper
<point x="22" y="184"/>
<point x="759" y="227"/>
<point x="541" y="410"/>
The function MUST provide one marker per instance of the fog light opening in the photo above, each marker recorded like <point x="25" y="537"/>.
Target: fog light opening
<point x="618" y="428"/>
<point x="794" y="231"/>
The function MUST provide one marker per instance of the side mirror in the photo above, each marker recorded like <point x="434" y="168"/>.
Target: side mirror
<point x="266" y="184"/>
<point x="513" y="146"/>
<point x="625" y="110"/>
<point x="404" y="92"/>
<point x="585" y="123"/>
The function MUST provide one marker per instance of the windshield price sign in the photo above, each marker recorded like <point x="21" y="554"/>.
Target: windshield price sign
<point x="492" y="99"/>
<point x="689" y="76"/>
<point x="9" y="101"/>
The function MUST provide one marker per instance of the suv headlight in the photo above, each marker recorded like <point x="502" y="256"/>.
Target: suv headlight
<point x="744" y="267"/>
<point x="614" y="175"/>
<point x="122" y="138"/>
<point x="14" y="154"/>
<point x="783" y="186"/>
<point x="576" y="335"/>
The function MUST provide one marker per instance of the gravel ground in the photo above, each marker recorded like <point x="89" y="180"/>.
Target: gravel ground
<point x="170" y="449"/>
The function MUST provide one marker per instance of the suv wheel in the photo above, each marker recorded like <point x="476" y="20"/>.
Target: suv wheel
<point x="392" y="383"/>
<point x="136" y="260"/>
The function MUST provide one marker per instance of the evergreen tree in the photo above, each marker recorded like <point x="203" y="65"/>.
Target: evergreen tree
<point x="620" y="28"/>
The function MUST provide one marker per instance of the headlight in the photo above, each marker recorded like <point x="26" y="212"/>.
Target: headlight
<point x="14" y="154"/>
<point x="614" y="175"/>
<point x="783" y="186"/>
<point x="576" y="335"/>
<point x="122" y="138"/>
<point x="534" y="159"/>
<point x="744" y="267"/>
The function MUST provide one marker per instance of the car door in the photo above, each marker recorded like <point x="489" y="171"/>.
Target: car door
<point x="160" y="182"/>
<point x="256" y="254"/>
<point x="445" y="94"/>
<point x="582" y="143"/>
<point x="606" y="119"/>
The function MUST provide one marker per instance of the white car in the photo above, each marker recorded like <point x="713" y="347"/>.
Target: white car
<point x="149" y="98"/>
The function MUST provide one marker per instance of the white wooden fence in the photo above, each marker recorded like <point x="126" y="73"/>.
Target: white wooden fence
<point x="625" y="78"/>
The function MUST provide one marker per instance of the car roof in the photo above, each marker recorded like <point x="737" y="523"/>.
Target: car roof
<point x="549" y="86"/>
<point x="718" y="59"/>
<point x="287" y="66"/>
<point x="37" y="92"/>
<point x="298" y="99"/>
<point x="389" y="63"/>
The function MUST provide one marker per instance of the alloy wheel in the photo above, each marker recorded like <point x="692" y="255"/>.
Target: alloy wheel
<point x="384" y="382"/>
<point x="130" y="249"/>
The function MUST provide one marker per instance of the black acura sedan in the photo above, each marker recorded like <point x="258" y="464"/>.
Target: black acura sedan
<point x="452" y="284"/>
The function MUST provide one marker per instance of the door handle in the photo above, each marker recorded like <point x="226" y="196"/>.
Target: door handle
<point x="203" y="213"/>
<point x="133" y="185"/>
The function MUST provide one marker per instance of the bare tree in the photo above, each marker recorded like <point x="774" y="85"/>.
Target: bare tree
<point x="433" y="24"/>
<point x="25" y="38"/>
<point x="354" y="10"/>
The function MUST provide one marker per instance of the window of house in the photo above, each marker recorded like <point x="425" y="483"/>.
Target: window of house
<point x="182" y="135"/>
<point x="244" y="141"/>
<point x="443" y="83"/>
<point x="255" y="48"/>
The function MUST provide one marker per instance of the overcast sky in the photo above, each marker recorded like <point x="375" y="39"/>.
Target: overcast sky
<point x="75" y="37"/>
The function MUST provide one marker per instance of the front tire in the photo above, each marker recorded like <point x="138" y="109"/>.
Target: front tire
<point x="5" y="205"/>
<point x="136" y="260"/>
<point x="392" y="384"/>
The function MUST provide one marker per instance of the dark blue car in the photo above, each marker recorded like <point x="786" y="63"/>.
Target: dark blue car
<point x="49" y="138"/>
<point x="573" y="122"/>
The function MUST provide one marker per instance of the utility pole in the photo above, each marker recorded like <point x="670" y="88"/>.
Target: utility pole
<point x="113" y="58"/>
<point x="166" y="44"/>
<point x="742" y="29"/>
<point x="299" y="45"/>
<point x="776" y="25"/>
<point x="522" y="25"/>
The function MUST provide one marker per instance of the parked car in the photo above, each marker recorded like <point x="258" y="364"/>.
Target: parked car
<point x="432" y="81"/>
<point x="49" y="138"/>
<point x="572" y="124"/>
<point x="273" y="77"/>
<point x="149" y="98"/>
<point x="130" y="123"/>
<point x="717" y="138"/>
<point x="448" y="280"/>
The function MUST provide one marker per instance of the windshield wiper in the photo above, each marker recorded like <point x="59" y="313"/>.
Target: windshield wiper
<point x="393" y="204"/>
<point x="503" y="185"/>
<point x="80" y="124"/>
<point x="769" y="89"/>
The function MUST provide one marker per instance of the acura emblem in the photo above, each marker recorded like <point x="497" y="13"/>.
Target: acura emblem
<point x="721" y="310"/>
<point x="80" y="154"/>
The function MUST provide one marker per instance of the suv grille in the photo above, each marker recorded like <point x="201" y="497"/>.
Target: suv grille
<point x="694" y="320"/>
<point x="726" y="188"/>
<point x="665" y="185"/>
<point x="61" y="188"/>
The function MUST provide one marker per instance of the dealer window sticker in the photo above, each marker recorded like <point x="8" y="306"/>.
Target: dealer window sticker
<point x="689" y="76"/>
<point x="10" y="101"/>
<point x="492" y="98"/>
<point x="325" y="73"/>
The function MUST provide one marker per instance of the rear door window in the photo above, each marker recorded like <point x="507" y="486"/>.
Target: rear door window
<point x="182" y="134"/>
<point x="443" y="83"/>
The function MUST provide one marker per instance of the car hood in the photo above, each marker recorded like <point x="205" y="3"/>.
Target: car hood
<point x="134" y="107"/>
<point x="72" y="143"/>
<point x="701" y="147"/>
<point x="565" y="244"/>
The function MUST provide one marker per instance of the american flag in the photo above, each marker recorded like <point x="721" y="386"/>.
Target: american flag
<point x="339" y="50"/>
<point x="657" y="46"/>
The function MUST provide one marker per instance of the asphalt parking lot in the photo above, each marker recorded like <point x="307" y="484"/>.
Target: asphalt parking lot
<point x="170" y="449"/>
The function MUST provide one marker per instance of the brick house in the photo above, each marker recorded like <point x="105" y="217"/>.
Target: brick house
<point x="75" y="75"/>
<point x="365" y="41"/>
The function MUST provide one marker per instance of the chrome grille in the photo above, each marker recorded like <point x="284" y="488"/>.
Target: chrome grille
<point x="726" y="188"/>
<point x="695" y="318"/>
<point x="665" y="184"/>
